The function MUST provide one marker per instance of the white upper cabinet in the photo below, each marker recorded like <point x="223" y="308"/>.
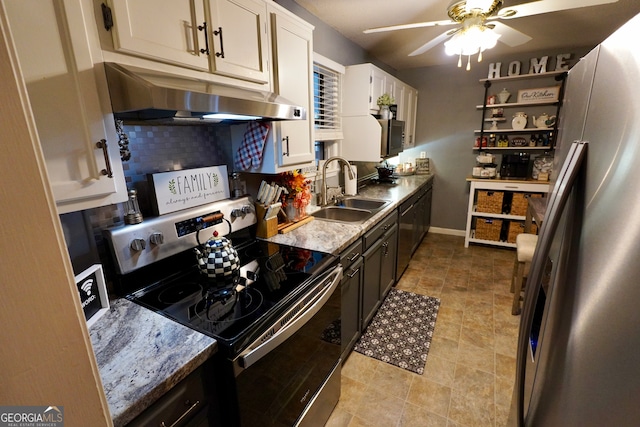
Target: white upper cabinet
<point x="64" y="88"/>
<point x="293" y="71"/>
<point x="240" y="44"/>
<point x="289" y="144"/>
<point x="407" y="112"/>
<point x="164" y="30"/>
<point x="226" y="37"/>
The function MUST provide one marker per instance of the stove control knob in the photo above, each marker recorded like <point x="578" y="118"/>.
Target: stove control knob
<point x="156" y="238"/>
<point x="138" y="245"/>
<point x="247" y="209"/>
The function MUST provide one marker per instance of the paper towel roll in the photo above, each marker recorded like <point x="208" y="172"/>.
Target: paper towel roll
<point x="350" y="185"/>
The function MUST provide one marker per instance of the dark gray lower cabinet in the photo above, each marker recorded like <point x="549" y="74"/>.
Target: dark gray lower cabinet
<point x="350" y="323"/>
<point x="351" y="260"/>
<point x="380" y="246"/>
<point x="388" y="260"/>
<point x="371" y="282"/>
<point x="190" y="403"/>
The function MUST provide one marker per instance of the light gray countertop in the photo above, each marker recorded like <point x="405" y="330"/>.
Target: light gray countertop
<point x="141" y="355"/>
<point x="333" y="237"/>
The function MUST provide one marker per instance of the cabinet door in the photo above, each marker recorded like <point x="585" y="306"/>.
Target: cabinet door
<point x="63" y="92"/>
<point x="350" y="324"/>
<point x="239" y="41"/>
<point x="371" y="282"/>
<point x="293" y="58"/>
<point x="164" y="30"/>
<point x="378" y="87"/>
<point x="410" y="103"/>
<point x="388" y="260"/>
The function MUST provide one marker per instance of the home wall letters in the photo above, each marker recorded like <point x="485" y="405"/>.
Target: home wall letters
<point x="536" y="66"/>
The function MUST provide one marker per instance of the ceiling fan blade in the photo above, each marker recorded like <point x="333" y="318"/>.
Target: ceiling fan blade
<point x="408" y="26"/>
<point x="434" y="42"/>
<point x="546" y="6"/>
<point x="510" y="36"/>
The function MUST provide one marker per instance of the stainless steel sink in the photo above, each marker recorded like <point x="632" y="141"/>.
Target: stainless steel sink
<point x="351" y="209"/>
<point x="363" y="203"/>
<point x="342" y="214"/>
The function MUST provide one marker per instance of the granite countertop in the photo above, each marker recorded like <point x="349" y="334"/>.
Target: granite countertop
<point x="333" y="237"/>
<point x="141" y="355"/>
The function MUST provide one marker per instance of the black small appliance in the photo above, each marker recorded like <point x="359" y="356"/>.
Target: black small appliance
<point x="515" y="166"/>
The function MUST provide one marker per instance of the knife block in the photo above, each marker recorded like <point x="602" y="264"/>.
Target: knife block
<point x="265" y="227"/>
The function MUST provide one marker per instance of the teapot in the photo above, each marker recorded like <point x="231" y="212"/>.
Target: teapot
<point x="544" y="121"/>
<point x="519" y="120"/>
<point x="218" y="259"/>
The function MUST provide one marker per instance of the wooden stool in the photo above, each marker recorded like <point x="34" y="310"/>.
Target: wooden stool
<point x="525" y="246"/>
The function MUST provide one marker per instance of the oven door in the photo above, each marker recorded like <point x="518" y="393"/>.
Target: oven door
<point x="292" y="373"/>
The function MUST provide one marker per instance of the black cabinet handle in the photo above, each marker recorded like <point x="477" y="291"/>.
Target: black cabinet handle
<point x="107" y="171"/>
<point x="286" y="140"/>
<point x="354" y="256"/>
<point x="353" y="273"/>
<point x="219" y="33"/>
<point x="203" y="27"/>
<point x="176" y="422"/>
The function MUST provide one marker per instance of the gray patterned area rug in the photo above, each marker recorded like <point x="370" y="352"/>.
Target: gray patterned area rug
<point x="400" y="332"/>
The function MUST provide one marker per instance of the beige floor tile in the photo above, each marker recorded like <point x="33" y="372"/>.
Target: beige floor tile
<point x="450" y="314"/>
<point x="392" y="380"/>
<point x="379" y="408"/>
<point x="468" y="411"/>
<point x="443" y="347"/>
<point x="504" y="390"/>
<point x="430" y="395"/>
<point x="476" y="357"/>
<point x="359" y="367"/>
<point x="505" y="366"/>
<point x="351" y="392"/>
<point x="414" y="416"/>
<point x="449" y="330"/>
<point x="440" y="370"/>
<point x="339" y="418"/>
<point x="480" y="334"/>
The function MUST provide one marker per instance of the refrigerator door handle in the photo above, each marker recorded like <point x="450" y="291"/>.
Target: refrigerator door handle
<point x="555" y="207"/>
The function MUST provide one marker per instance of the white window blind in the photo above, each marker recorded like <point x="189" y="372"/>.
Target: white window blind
<point x="326" y="95"/>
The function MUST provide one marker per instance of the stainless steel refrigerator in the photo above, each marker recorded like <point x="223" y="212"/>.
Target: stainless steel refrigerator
<point x="579" y="346"/>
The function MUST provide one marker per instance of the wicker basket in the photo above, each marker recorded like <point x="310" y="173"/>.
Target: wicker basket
<point x="489" y="201"/>
<point x="519" y="203"/>
<point x="517" y="227"/>
<point x="488" y="229"/>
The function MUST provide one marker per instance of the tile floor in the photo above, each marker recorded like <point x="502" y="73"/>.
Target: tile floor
<point x="469" y="374"/>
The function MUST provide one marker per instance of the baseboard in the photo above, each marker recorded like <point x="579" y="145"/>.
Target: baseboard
<point x="449" y="231"/>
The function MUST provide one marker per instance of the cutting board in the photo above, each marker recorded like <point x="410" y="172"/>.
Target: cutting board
<point x="290" y="226"/>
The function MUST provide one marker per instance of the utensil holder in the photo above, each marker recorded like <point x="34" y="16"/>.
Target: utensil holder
<point x="265" y="227"/>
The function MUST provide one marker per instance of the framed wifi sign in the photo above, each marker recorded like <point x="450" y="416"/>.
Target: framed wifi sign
<point x="93" y="293"/>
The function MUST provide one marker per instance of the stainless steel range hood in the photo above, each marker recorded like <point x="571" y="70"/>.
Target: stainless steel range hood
<point x="139" y="94"/>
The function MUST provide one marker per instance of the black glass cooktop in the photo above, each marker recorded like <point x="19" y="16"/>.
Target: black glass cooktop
<point x="269" y="277"/>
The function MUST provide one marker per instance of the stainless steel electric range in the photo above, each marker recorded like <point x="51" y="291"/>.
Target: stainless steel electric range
<point x="276" y="319"/>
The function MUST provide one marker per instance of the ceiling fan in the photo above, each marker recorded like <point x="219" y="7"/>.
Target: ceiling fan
<point x="479" y="27"/>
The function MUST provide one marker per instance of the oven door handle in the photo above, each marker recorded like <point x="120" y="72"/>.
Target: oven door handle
<point x="289" y="323"/>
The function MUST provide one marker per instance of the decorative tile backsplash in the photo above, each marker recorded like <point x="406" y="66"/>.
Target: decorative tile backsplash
<point x="153" y="149"/>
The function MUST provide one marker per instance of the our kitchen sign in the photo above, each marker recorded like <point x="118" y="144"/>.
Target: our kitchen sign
<point x="177" y="190"/>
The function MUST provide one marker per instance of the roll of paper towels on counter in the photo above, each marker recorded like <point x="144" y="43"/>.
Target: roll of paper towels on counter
<point x="350" y="185"/>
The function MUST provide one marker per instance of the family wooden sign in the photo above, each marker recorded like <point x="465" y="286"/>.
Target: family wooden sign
<point x="536" y="66"/>
<point x="183" y="189"/>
